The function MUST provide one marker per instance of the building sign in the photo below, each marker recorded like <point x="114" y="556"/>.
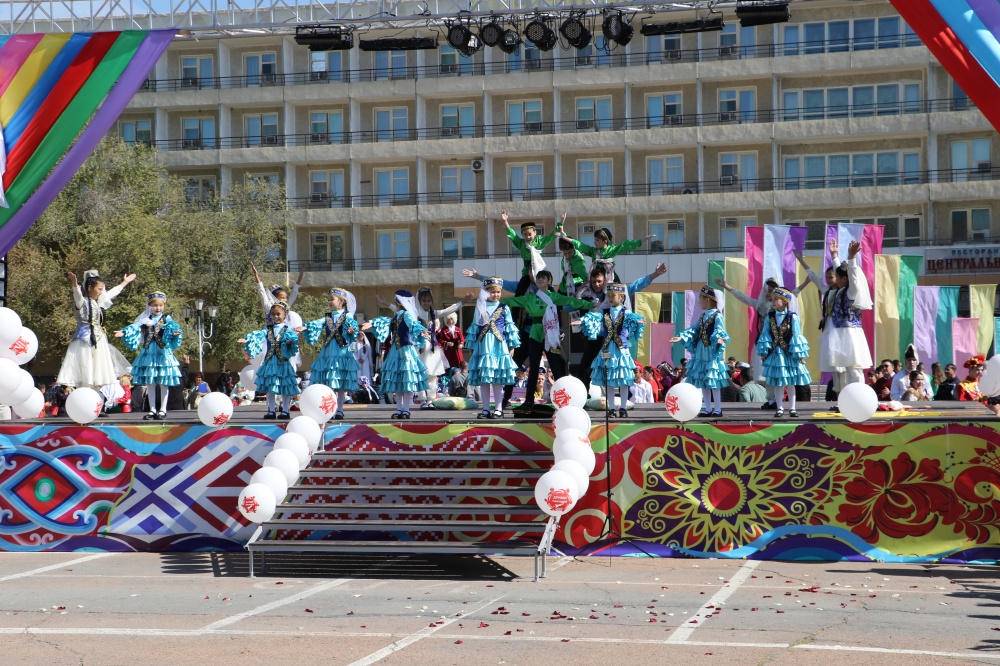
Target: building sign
<point x="962" y="259"/>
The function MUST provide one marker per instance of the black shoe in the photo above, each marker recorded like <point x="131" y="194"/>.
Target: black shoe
<point x="717" y="415"/>
<point x="397" y="416"/>
<point x="152" y="417"/>
<point x="769" y="405"/>
<point x="405" y="416"/>
<point x="161" y="416"/>
<point x="793" y="414"/>
<point x="835" y="409"/>
<point x="339" y="416"/>
<point x="103" y="414"/>
<point x="284" y="416"/>
<point x="780" y="413"/>
<point x="270" y="416"/>
<point x="426" y="405"/>
<point x="485" y="414"/>
<point x="704" y="414"/>
<point x="497" y="415"/>
<point x="612" y="413"/>
<point x="623" y="413"/>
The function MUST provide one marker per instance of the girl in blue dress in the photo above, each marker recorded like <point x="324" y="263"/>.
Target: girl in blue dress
<point x="706" y="341"/>
<point x="783" y="350"/>
<point x="403" y="373"/>
<point x="156" y="336"/>
<point x="490" y="337"/>
<point x="615" y="325"/>
<point x="336" y="365"/>
<point x="276" y="374"/>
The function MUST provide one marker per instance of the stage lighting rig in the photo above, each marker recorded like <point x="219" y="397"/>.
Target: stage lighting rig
<point x="762" y="12"/>
<point x="462" y="39"/>
<point x="394" y="44"/>
<point x="698" y="25"/>
<point x="616" y="29"/>
<point x="324" y="37"/>
<point x="541" y="35"/>
<point x="511" y="41"/>
<point x="575" y="32"/>
<point x="491" y="33"/>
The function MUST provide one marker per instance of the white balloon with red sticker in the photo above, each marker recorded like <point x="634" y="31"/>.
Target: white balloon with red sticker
<point x="10" y="327"/>
<point x="683" y="402"/>
<point x="576" y="470"/>
<point x="257" y="502"/>
<point x="84" y="404"/>
<point x="22" y="349"/>
<point x="285" y="462"/>
<point x="318" y="402"/>
<point x="248" y="377"/>
<point x="556" y="492"/>
<point x="296" y="443"/>
<point x="569" y="391"/>
<point x="273" y="479"/>
<point x="215" y="409"/>
<point x="17" y="386"/>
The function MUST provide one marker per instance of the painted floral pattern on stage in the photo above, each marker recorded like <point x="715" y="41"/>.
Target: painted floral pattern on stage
<point x="890" y="492"/>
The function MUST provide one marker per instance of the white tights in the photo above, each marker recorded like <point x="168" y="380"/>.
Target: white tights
<point x="484" y="392"/>
<point x="151" y="395"/>
<point x="432" y="389"/>
<point x="403" y="402"/>
<point x="708" y="395"/>
<point x="622" y="397"/>
<point x="779" y="397"/>
<point x="286" y="401"/>
<point x="341" y="396"/>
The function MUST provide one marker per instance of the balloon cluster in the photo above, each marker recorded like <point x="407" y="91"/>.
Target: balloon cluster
<point x="290" y="455"/>
<point x="18" y="345"/>
<point x="558" y="490"/>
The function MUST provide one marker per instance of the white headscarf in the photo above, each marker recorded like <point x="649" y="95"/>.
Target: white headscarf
<point x="482" y="314"/>
<point x="350" y="302"/>
<point x="408" y="303"/>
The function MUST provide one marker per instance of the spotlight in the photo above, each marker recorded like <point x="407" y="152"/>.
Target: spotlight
<point x="393" y="44"/>
<point x="616" y="29"/>
<point x="491" y="33"/>
<point x="541" y="35"/>
<point x="323" y="38"/>
<point x="459" y="35"/>
<point x="761" y="12"/>
<point x="511" y="41"/>
<point x="700" y="25"/>
<point x="575" y="33"/>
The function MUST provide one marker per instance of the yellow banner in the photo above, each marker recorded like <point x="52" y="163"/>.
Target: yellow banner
<point x="981" y="299"/>
<point x="887" y="307"/>
<point x="810" y="313"/>
<point x="737" y="319"/>
<point x="647" y="305"/>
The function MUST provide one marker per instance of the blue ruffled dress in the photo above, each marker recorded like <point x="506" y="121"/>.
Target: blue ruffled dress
<point x="619" y="370"/>
<point x="335" y="366"/>
<point x="402" y="370"/>
<point x="490" y="362"/>
<point x="783" y="363"/>
<point x="707" y="367"/>
<point x="156" y="363"/>
<point x="276" y="373"/>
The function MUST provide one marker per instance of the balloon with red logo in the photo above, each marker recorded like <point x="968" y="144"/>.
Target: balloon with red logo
<point x="22" y="349"/>
<point x="569" y="391"/>
<point x="556" y="492"/>
<point x="84" y="404"/>
<point x="285" y="462"/>
<point x="273" y="479"/>
<point x="581" y="453"/>
<point x="215" y="409"/>
<point x="318" y="402"/>
<point x="10" y="326"/>
<point x="257" y="502"/>
<point x="683" y="402"/>
<point x="32" y="407"/>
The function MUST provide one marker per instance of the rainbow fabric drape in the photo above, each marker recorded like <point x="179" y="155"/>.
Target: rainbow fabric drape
<point x="59" y="96"/>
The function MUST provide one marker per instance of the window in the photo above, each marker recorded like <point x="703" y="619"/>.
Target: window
<point x="199" y="188"/>
<point x="593" y="113"/>
<point x="137" y="131"/>
<point x="813" y="104"/>
<point x="738" y="170"/>
<point x="326" y="65"/>
<point x="458" y="120"/>
<point x="737" y="104"/>
<point x="970" y="225"/>
<point x="455" y="241"/>
<point x="911" y="168"/>
<point x="665" y="175"/>
<point x="887" y="99"/>
<point x="327" y="247"/>
<point x="585" y="231"/>
<point x="663" y="47"/>
<point x="326" y="188"/>
<point x="970" y="160"/>
<point x="262" y="130"/>
<point x="391" y="124"/>
<point x="198" y="133"/>
<point x="815" y="37"/>
<point x="196" y="71"/>
<point x="392" y="186"/>
<point x="911" y="98"/>
<point x="733" y="41"/>
<point x="666" y="235"/>
<point x="959" y="100"/>
<point x="837" y="102"/>
<point x="838" y="36"/>
<point x="888" y="32"/>
<point x="390" y="64"/>
<point x="525" y="181"/>
<point x="857" y="170"/>
<point x="269" y="179"/>
<point x="863" y="101"/>
<point x="593" y="178"/>
<point x="525" y="57"/>
<point x="261" y="68"/>
<point x="524" y="116"/>
<point x="790" y="105"/>
<point x="900" y="231"/>
<point x="732" y="231"/>
<point x="326" y="127"/>
<point x="595" y="53"/>
<point x="451" y="63"/>
<point x="815" y="235"/>
<point x="864" y="34"/>
<point x="458" y="183"/>
<point x="664" y="109"/>
<point x="393" y="245"/>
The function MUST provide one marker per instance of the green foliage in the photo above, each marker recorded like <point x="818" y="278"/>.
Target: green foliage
<point x="121" y="214"/>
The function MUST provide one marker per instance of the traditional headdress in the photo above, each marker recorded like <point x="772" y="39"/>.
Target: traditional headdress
<point x="772" y="282"/>
<point x="527" y="225"/>
<point x="709" y="292"/>
<point x="281" y="304"/>
<point x="616" y="288"/>
<point x="90" y="277"/>
<point x="275" y="288"/>
<point x="493" y="282"/>
<point x="911" y="352"/>
<point x="783" y="293"/>
<point x="156" y="294"/>
<point x="482" y="316"/>
<point x="350" y="303"/>
<point x="975" y="361"/>
<point x="409" y="303"/>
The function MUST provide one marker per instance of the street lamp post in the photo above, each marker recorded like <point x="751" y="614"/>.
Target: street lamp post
<point x="199" y="326"/>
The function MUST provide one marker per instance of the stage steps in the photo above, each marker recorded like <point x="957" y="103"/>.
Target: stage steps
<point x="412" y="502"/>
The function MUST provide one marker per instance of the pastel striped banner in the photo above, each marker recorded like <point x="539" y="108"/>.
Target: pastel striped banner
<point x="737" y="314"/>
<point x="895" y="280"/>
<point x="964" y="332"/>
<point x="933" y="309"/>
<point x="780" y="241"/>
<point x="679" y="321"/>
<point x="981" y="299"/>
<point x="753" y="249"/>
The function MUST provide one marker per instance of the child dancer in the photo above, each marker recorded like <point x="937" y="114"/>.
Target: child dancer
<point x="707" y="340"/>
<point x="491" y="336"/>
<point x="156" y="336"/>
<point x="403" y="373"/>
<point x="279" y="342"/>
<point x="573" y="278"/>
<point x="614" y="324"/>
<point x="336" y="365"/>
<point x="530" y="244"/>
<point x="90" y="360"/>
<point x="278" y="294"/>
<point x="603" y="251"/>
<point x="783" y="349"/>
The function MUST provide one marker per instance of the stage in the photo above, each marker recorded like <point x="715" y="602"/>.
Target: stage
<point x="919" y="487"/>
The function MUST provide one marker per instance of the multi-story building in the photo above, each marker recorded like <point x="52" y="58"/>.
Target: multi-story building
<point x="396" y="164"/>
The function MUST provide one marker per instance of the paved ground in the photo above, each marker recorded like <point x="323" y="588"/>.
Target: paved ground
<point x="199" y="607"/>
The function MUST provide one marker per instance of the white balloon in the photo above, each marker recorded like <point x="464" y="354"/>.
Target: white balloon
<point x="273" y="479"/>
<point x="10" y="378"/>
<point x="32" y="407"/>
<point x="84" y="404"/>
<point x="989" y="383"/>
<point x="576" y="470"/>
<point x="296" y="443"/>
<point x="10" y="326"/>
<point x="285" y="462"/>
<point x="25" y="385"/>
<point x="257" y="360"/>
<point x="858" y="402"/>
<point x="308" y="428"/>
<point x="22" y="349"/>
<point x="565" y="437"/>
<point x="683" y="402"/>
<point x="567" y="391"/>
<point x="248" y="377"/>
<point x="257" y="502"/>
<point x="594" y="392"/>
<point x="571" y="417"/>
<point x="215" y="409"/>
<point x="556" y="492"/>
<point x="318" y="402"/>
<point x="581" y="453"/>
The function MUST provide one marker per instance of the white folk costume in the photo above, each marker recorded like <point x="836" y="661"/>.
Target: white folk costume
<point x="430" y="349"/>
<point x="90" y="360"/>
<point x="844" y="350"/>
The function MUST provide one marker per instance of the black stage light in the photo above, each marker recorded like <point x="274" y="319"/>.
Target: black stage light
<point x="541" y="35"/>
<point x="699" y="25"/>
<point x="616" y="29"/>
<point x="511" y="41"/>
<point x="463" y="40"/>
<point x="762" y="12"/>
<point x="491" y="33"/>
<point x="390" y="44"/>
<point x="323" y="38"/>
<point x="575" y="32"/>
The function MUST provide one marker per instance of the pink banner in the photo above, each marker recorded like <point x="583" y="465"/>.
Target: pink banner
<point x="753" y="249"/>
<point x="871" y="244"/>
<point x="691" y="312"/>
<point x="926" y="301"/>
<point x="963" y="339"/>
<point x="659" y="343"/>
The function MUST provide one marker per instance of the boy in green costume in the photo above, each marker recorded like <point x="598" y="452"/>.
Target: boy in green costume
<point x="603" y="251"/>
<point x="529" y="238"/>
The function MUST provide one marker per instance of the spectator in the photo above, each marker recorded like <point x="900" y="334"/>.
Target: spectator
<point x="937" y="376"/>
<point x="225" y="382"/>
<point x="901" y="380"/>
<point x="918" y="389"/>
<point x="896" y="366"/>
<point x="198" y="389"/>
<point x="641" y="390"/>
<point x="883" y="380"/>
<point x="650" y="374"/>
<point x="458" y="386"/>
<point x="521" y="377"/>
<point x="731" y="364"/>
<point x="451" y="340"/>
<point x="946" y="389"/>
<point x="969" y="388"/>
<point x="750" y="391"/>
<point x="731" y="393"/>
<point x="542" y="390"/>
<point x="242" y="395"/>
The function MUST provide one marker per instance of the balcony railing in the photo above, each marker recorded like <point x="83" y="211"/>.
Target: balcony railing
<point x="567" y="126"/>
<point x="478" y="68"/>
<point x="721" y="185"/>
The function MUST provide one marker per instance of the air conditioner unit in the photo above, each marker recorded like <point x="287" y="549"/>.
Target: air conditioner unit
<point x="588" y="228"/>
<point x="477" y="165"/>
<point x="192" y="143"/>
<point x="727" y="180"/>
<point x="449" y="69"/>
<point x="673" y="55"/>
<point x="268" y="79"/>
<point x="190" y="83"/>
<point x="584" y="124"/>
<point x="984" y="167"/>
<point x="318" y="196"/>
<point x="533" y="127"/>
<point x="727" y="117"/>
<point x="980" y="236"/>
<point x="447" y="234"/>
<point x="533" y="64"/>
<point x="317" y="138"/>
<point x="676" y="225"/>
<point x="675" y="120"/>
<point x="319" y="239"/>
<point x="583" y="61"/>
<point x="729" y="50"/>
<point x="449" y="131"/>
<point x="319" y="76"/>
<point x="729" y="223"/>
<point x="270" y="140"/>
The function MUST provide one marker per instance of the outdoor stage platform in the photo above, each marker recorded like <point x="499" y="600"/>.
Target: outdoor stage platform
<point x="919" y="487"/>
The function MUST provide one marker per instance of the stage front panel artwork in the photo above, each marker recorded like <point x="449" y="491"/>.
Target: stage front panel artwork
<point x="914" y="492"/>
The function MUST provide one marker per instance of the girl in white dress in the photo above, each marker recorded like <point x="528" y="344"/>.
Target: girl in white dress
<point x="90" y="360"/>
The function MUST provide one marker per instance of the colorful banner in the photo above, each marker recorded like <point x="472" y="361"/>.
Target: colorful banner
<point x="964" y="339"/>
<point x="754" y="253"/>
<point x="780" y="243"/>
<point x="660" y="349"/>
<point x="981" y="300"/>
<point x="737" y="314"/>
<point x="886" y="492"/>
<point x="933" y="310"/>
<point x="909" y="270"/>
<point x="678" y="319"/>
<point x="886" y="307"/>
<point x="810" y="311"/>
<point x="647" y="304"/>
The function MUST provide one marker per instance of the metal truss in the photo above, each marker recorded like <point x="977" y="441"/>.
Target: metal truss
<point x="247" y="17"/>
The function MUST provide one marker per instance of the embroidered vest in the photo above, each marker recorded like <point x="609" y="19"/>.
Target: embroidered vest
<point x="780" y="334"/>
<point x="706" y="328"/>
<point x="614" y="330"/>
